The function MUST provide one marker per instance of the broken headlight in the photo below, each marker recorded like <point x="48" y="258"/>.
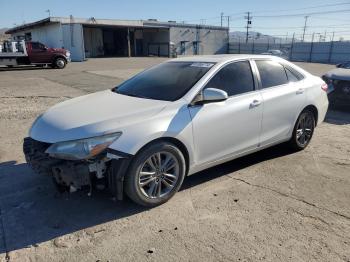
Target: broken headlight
<point x="82" y="148"/>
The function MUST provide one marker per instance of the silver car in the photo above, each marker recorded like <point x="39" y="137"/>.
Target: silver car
<point x="146" y="135"/>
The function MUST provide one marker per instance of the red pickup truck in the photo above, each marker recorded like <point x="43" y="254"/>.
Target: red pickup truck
<point x="32" y="53"/>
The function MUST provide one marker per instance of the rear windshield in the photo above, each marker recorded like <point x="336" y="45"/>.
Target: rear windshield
<point x="168" y="81"/>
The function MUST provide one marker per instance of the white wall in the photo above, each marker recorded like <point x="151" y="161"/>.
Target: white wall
<point x="73" y="40"/>
<point x="211" y="41"/>
<point x="50" y="35"/>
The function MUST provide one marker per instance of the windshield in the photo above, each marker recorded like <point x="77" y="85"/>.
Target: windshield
<point x="168" y="81"/>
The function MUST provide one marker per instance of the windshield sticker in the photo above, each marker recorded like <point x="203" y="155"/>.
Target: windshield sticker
<point x="205" y="65"/>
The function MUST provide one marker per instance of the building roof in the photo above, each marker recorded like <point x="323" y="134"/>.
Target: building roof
<point x="151" y="23"/>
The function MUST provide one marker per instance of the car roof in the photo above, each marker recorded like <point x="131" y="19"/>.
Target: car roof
<point x="219" y="58"/>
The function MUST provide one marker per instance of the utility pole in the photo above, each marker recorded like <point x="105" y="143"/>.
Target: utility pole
<point x="306" y="17"/>
<point x="249" y="22"/>
<point x="49" y="12"/>
<point x="222" y="17"/>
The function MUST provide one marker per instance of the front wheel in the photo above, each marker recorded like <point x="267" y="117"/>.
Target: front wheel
<point x="60" y="63"/>
<point x="155" y="174"/>
<point x="303" y="130"/>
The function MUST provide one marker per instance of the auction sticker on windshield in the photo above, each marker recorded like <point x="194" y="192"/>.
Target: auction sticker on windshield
<point x="205" y="65"/>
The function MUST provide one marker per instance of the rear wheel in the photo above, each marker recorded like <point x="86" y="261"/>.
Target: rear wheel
<point x="60" y="63"/>
<point x="155" y="174"/>
<point x="303" y="130"/>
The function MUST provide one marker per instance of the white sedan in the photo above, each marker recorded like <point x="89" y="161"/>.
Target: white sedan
<point x="146" y="135"/>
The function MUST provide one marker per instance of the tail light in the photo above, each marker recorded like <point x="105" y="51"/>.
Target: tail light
<point x="324" y="87"/>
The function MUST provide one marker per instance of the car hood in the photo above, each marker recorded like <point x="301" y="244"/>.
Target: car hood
<point x="59" y="50"/>
<point x="92" y="115"/>
<point x="339" y="74"/>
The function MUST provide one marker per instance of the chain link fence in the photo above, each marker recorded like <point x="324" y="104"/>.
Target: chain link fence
<point x="320" y="52"/>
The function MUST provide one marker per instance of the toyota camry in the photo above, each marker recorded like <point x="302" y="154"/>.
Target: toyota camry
<point x="143" y="137"/>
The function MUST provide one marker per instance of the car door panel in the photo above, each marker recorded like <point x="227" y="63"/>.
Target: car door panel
<point x="281" y="106"/>
<point x="282" y="103"/>
<point x="226" y="128"/>
<point x="223" y="129"/>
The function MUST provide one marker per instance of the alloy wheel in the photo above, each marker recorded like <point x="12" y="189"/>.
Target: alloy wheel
<point x="158" y="175"/>
<point x="304" y="129"/>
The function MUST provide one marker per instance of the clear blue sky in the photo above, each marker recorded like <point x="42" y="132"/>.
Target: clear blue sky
<point x="16" y="12"/>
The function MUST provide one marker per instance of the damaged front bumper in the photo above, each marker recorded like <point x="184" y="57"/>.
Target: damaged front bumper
<point x="105" y="170"/>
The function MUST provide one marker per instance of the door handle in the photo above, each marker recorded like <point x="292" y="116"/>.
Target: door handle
<point x="255" y="103"/>
<point x="300" y="91"/>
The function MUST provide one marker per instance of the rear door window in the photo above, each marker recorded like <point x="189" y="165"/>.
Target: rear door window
<point x="272" y="73"/>
<point x="291" y="77"/>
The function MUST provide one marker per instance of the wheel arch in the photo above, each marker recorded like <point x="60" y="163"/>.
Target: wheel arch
<point x="58" y="56"/>
<point x="180" y="145"/>
<point x="314" y="110"/>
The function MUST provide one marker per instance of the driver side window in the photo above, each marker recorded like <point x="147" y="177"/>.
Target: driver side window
<point x="235" y="78"/>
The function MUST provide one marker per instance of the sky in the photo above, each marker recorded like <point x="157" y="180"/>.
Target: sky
<point x="269" y="16"/>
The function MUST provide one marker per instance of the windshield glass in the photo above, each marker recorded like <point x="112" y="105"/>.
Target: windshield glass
<point x="168" y="81"/>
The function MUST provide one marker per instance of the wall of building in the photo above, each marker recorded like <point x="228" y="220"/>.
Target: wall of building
<point x="73" y="40"/>
<point x="50" y="35"/>
<point x="210" y="41"/>
<point x="156" y="41"/>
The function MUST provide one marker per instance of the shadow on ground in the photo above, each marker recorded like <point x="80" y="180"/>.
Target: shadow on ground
<point x="32" y="212"/>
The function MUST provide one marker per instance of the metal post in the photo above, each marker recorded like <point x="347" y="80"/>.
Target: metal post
<point x="249" y="22"/>
<point x="306" y="17"/>
<point x="268" y="44"/>
<point x="312" y="46"/>
<point x="239" y="45"/>
<point x="291" y="48"/>
<point x="222" y="17"/>
<point x="331" y="49"/>
<point x="128" y="38"/>
<point x="253" y="47"/>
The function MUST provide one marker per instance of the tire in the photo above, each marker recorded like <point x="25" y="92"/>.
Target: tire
<point x="303" y="130"/>
<point x="60" y="63"/>
<point x="144" y="168"/>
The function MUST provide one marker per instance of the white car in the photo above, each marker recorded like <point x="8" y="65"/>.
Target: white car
<point x="175" y="119"/>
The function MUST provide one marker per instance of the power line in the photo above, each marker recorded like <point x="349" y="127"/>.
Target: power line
<point x="304" y="8"/>
<point x="304" y="14"/>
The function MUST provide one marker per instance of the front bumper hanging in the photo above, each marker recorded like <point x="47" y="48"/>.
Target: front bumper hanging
<point x="74" y="175"/>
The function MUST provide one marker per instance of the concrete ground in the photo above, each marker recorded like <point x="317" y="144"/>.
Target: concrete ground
<point x="274" y="205"/>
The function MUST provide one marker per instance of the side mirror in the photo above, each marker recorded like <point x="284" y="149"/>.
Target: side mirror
<point x="210" y="95"/>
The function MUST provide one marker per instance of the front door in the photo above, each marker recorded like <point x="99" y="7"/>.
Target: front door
<point x="39" y="53"/>
<point x="228" y="128"/>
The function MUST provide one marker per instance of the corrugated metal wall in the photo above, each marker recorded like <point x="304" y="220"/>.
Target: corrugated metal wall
<point x="321" y="52"/>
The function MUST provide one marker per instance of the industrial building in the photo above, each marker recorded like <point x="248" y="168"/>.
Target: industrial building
<point x="124" y="38"/>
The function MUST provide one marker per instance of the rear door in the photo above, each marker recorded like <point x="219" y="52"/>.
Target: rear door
<point x="224" y="129"/>
<point x="283" y="97"/>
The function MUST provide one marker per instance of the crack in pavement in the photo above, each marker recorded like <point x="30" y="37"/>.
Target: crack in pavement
<point x="22" y="97"/>
<point x="292" y="197"/>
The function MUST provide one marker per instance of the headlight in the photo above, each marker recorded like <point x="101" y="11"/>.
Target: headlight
<point x="82" y="148"/>
<point x="68" y="54"/>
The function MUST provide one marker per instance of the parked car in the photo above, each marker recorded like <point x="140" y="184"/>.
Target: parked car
<point x="146" y="135"/>
<point x="276" y="52"/>
<point x="32" y="53"/>
<point x="338" y="81"/>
